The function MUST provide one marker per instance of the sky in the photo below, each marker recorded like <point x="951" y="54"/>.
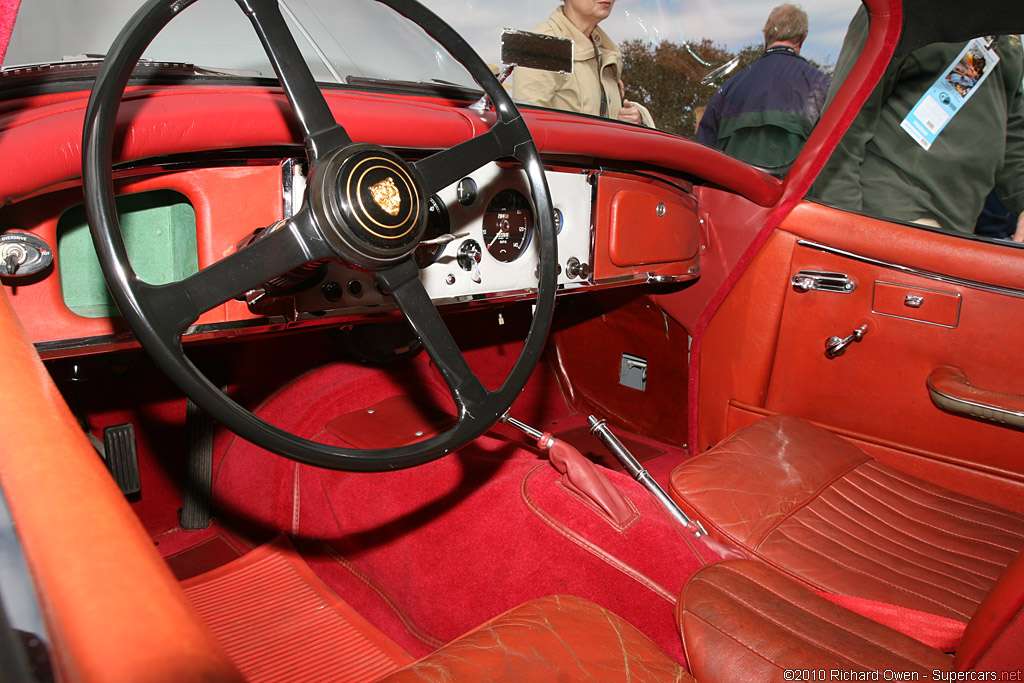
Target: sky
<point x="731" y="23"/>
<point x="75" y="26"/>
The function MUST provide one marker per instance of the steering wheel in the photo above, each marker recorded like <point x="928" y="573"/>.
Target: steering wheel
<point x="339" y="220"/>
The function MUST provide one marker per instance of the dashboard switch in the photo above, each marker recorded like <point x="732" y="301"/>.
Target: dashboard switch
<point x="22" y="254"/>
<point x="470" y="254"/>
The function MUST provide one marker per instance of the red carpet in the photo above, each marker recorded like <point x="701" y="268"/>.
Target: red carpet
<point x="431" y="552"/>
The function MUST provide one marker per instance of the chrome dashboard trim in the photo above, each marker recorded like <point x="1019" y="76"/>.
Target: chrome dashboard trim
<point x="948" y="279"/>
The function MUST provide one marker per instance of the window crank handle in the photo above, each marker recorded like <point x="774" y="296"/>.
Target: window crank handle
<point x="836" y="346"/>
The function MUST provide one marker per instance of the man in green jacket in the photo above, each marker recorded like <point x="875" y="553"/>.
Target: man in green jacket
<point x="885" y="166"/>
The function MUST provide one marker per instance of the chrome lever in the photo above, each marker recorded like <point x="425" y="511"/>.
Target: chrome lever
<point x="836" y="346"/>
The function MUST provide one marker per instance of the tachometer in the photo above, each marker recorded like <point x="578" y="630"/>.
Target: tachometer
<point x="507" y="224"/>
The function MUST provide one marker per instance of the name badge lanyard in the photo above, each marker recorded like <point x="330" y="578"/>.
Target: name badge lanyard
<point x="950" y="92"/>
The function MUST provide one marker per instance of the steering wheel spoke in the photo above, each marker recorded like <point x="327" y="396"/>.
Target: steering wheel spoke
<point x="365" y="205"/>
<point x="404" y="284"/>
<point x="443" y="168"/>
<point x="177" y="305"/>
<point x="321" y="131"/>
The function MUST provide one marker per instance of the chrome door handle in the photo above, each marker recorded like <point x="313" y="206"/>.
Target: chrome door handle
<point x="836" y="346"/>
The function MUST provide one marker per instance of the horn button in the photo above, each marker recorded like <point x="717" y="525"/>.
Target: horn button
<point x="369" y="204"/>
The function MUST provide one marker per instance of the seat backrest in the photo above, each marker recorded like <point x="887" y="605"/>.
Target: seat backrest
<point x="994" y="638"/>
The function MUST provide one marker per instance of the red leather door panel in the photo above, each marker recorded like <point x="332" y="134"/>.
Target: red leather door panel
<point x="878" y="387"/>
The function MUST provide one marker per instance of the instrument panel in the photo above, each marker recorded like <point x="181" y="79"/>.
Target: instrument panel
<point x="613" y="228"/>
<point x="479" y="244"/>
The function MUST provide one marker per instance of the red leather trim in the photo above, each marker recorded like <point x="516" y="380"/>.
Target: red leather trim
<point x="741" y="330"/>
<point x="588" y="482"/>
<point x="590" y="336"/>
<point x="817" y="507"/>
<point x="992" y="486"/>
<point x="886" y="20"/>
<point x="113" y="609"/>
<point x="557" y="638"/>
<point x="879" y="387"/>
<point x="744" y="621"/>
<point x="993" y="640"/>
<point x="195" y="118"/>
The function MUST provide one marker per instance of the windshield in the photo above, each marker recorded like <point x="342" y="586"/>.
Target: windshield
<point x="343" y="38"/>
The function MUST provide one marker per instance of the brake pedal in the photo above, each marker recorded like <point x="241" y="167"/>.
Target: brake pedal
<point x="122" y="457"/>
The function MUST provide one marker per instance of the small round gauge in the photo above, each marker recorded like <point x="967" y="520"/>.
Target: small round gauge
<point x="438" y="224"/>
<point x="507" y="223"/>
<point x="466" y="191"/>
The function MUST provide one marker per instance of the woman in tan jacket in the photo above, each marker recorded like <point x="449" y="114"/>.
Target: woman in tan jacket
<point x="595" y="84"/>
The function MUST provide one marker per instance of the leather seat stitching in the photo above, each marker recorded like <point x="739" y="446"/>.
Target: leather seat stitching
<point x="729" y="637"/>
<point x="880" y="579"/>
<point x="978" y="505"/>
<point x="866" y="638"/>
<point x="929" y="503"/>
<point x="869" y="576"/>
<point x="923" y="553"/>
<point x="808" y="637"/>
<point x="922" y="523"/>
<point x="809" y="500"/>
<point x="956" y="582"/>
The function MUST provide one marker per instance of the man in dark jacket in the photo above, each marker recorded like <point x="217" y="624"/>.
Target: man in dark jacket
<point x="882" y="167"/>
<point x="766" y="112"/>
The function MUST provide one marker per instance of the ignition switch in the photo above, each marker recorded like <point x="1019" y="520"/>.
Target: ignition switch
<point x="23" y="254"/>
<point x="469" y="257"/>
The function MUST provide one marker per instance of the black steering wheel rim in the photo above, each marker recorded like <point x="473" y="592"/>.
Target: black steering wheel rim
<point x="159" y="315"/>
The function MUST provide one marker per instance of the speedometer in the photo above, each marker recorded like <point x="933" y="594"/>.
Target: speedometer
<point x="507" y="224"/>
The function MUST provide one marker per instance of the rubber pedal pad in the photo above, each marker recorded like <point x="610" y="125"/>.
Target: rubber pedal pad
<point x="121" y="457"/>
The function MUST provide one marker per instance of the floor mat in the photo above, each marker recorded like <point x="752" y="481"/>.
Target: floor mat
<point x="214" y="552"/>
<point x="279" y="622"/>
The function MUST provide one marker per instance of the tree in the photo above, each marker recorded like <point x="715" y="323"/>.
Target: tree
<point x="667" y="79"/>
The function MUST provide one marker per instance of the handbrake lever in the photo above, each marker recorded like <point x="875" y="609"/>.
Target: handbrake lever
<point x="599" y="428"/>
<point x="581" y="475"/>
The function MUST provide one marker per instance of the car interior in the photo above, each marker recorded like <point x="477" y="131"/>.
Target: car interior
<point x="315" y="384"/>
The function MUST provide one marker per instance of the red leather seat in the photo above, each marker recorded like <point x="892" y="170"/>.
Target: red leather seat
<point x="557" y="638"/>
<point x="820" y="509"/>
<point x="744" y="620"/>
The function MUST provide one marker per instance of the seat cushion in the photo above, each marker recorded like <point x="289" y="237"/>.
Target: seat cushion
<point x="745" y="621"/>
<point x="557" y="638"/>
<point x="822" y="510"/>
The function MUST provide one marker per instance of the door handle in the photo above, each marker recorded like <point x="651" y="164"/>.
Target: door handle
<point x="951" y="391"/>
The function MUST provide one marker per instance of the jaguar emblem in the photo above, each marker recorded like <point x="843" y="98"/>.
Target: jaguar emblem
<point x="386" y="195"/>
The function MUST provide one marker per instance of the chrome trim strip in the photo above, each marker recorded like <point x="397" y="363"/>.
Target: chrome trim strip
<point x="958" y="295"/>
<point x="948" y="279"/>
<point x="981" y="411"/>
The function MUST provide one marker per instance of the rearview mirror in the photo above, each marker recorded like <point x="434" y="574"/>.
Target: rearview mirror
<point x="535" y="51"/>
